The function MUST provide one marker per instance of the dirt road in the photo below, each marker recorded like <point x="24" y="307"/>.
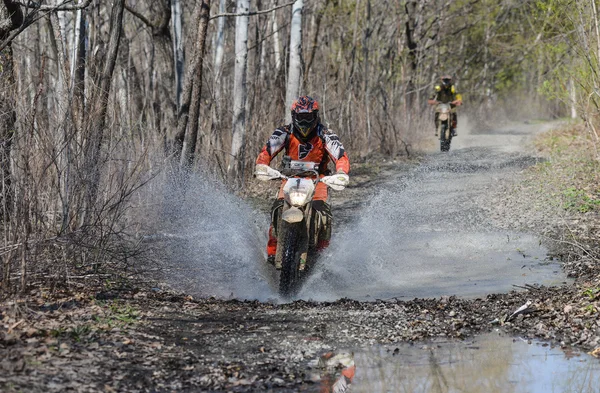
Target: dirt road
<point x="392" y="244"/>
<point x="428" y="232"/>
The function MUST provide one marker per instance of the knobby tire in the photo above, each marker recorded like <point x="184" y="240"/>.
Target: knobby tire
<point x="445" y="138"/>
<point x="290" y="261"/>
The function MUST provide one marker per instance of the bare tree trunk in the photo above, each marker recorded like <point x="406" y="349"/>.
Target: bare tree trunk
<point x="219" y="43"/>
<point x="62" y="98"/>
<point x="183" y="112"/>
<point x="78" y="69"/>
<point x="354" y="42"/>
<point x="100" y="107"/>
<point x="236" y="161"/>
<point x="177" y="48"/>
<point x="315" y="40"/>
<point x="596" y="29"/>
<point x="191" y="134"/>
<point x="10" y="18"/>
<point x="573" y="94"/>
<point x="219" y="53"/>
<point x="295" y="67"/>
<point x="411" y="43"/>
<point x="276" y="40"/>
<point x="366" y="76"/>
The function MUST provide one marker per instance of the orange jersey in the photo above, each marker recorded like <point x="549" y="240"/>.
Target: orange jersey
<point x="322" y="148"/>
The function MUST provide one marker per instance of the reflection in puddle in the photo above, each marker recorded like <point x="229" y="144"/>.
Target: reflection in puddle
<point x="337" y="372"/>
<point x="490" y="363"/>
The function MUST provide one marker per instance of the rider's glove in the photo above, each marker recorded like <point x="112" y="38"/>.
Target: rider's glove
<point x="338" y="182"/>
<point x="265" y="172"/>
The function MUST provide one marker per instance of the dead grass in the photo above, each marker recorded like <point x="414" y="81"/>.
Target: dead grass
<point x="560" y="199"/>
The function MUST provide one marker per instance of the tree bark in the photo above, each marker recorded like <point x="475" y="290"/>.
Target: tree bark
<point x="367" y="91"/>
<point x="276" y="40"/>
<point x="100" y="107"/>
<point x="219" y="54"/>
<point x="236" y="160"/>
<point x="295" y="68"/>
<point x="412" y="44"/>
<point x="219" y="42"/>
<point x="11" y="18"/>
<point x="191" y="134"/>
<point x="78" y="69"/>
<point x="177" y="49"/>
<point x="62" y="110"/>
<point x="315" y="40"/>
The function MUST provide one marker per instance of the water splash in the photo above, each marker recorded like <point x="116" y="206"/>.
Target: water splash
<point x="215" y="243"/>
<point x="426" y="236"/>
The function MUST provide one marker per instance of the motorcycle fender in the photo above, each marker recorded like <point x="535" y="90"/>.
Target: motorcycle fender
<point x="293" y="215"/>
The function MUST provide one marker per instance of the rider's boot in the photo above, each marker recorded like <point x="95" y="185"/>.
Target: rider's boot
<point x="303" y="258"/>
<point x="271" y="246"/>
<point x="322" y="244"/>
<point x="272" y="242"/>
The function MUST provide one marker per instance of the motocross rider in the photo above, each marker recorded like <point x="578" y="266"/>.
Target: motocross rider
<point x="305" y="139"/>
<point x="445" y="92"/>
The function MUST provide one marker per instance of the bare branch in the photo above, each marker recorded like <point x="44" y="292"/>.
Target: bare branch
<point x="29" y="20"/>
<point x="140" y="17"/>
<point x="35" y="16"/>
<point x="253" y="12"/>
<point x="58" y="7"/>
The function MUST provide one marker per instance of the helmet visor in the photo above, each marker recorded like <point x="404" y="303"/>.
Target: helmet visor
<point x="446" y="81"/>
<point x="305" y="122"/>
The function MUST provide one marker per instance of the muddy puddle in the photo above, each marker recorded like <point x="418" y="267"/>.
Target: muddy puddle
<point x="491" y="363"/>
<point x="432" y="264"/>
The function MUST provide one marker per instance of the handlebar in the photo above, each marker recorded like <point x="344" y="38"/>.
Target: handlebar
<point x="289" y="173"/>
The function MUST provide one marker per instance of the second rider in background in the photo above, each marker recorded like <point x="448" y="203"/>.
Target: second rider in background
<point x="445" y="92"/>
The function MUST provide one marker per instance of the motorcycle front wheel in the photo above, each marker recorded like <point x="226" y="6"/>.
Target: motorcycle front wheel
<point x="445" y="138"/>
<point x="289" y="278"/>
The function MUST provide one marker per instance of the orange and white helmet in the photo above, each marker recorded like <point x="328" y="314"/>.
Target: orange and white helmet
<point x="305" y="116"/>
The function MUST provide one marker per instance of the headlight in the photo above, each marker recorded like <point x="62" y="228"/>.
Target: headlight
<point x="298" y="191"/>
<point x="297" y="198"/>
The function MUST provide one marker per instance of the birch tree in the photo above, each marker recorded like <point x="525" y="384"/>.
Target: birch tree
<point x="95" y="137"/>
<point x="219" y="54"/>
<point x="61" y="105"/>
<point x="236" y="160"/>
<point x="78" y="64"/>
<point x="276" y="41"/>
<point x="177" y="47"/>
<point x="295" y="67"/>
